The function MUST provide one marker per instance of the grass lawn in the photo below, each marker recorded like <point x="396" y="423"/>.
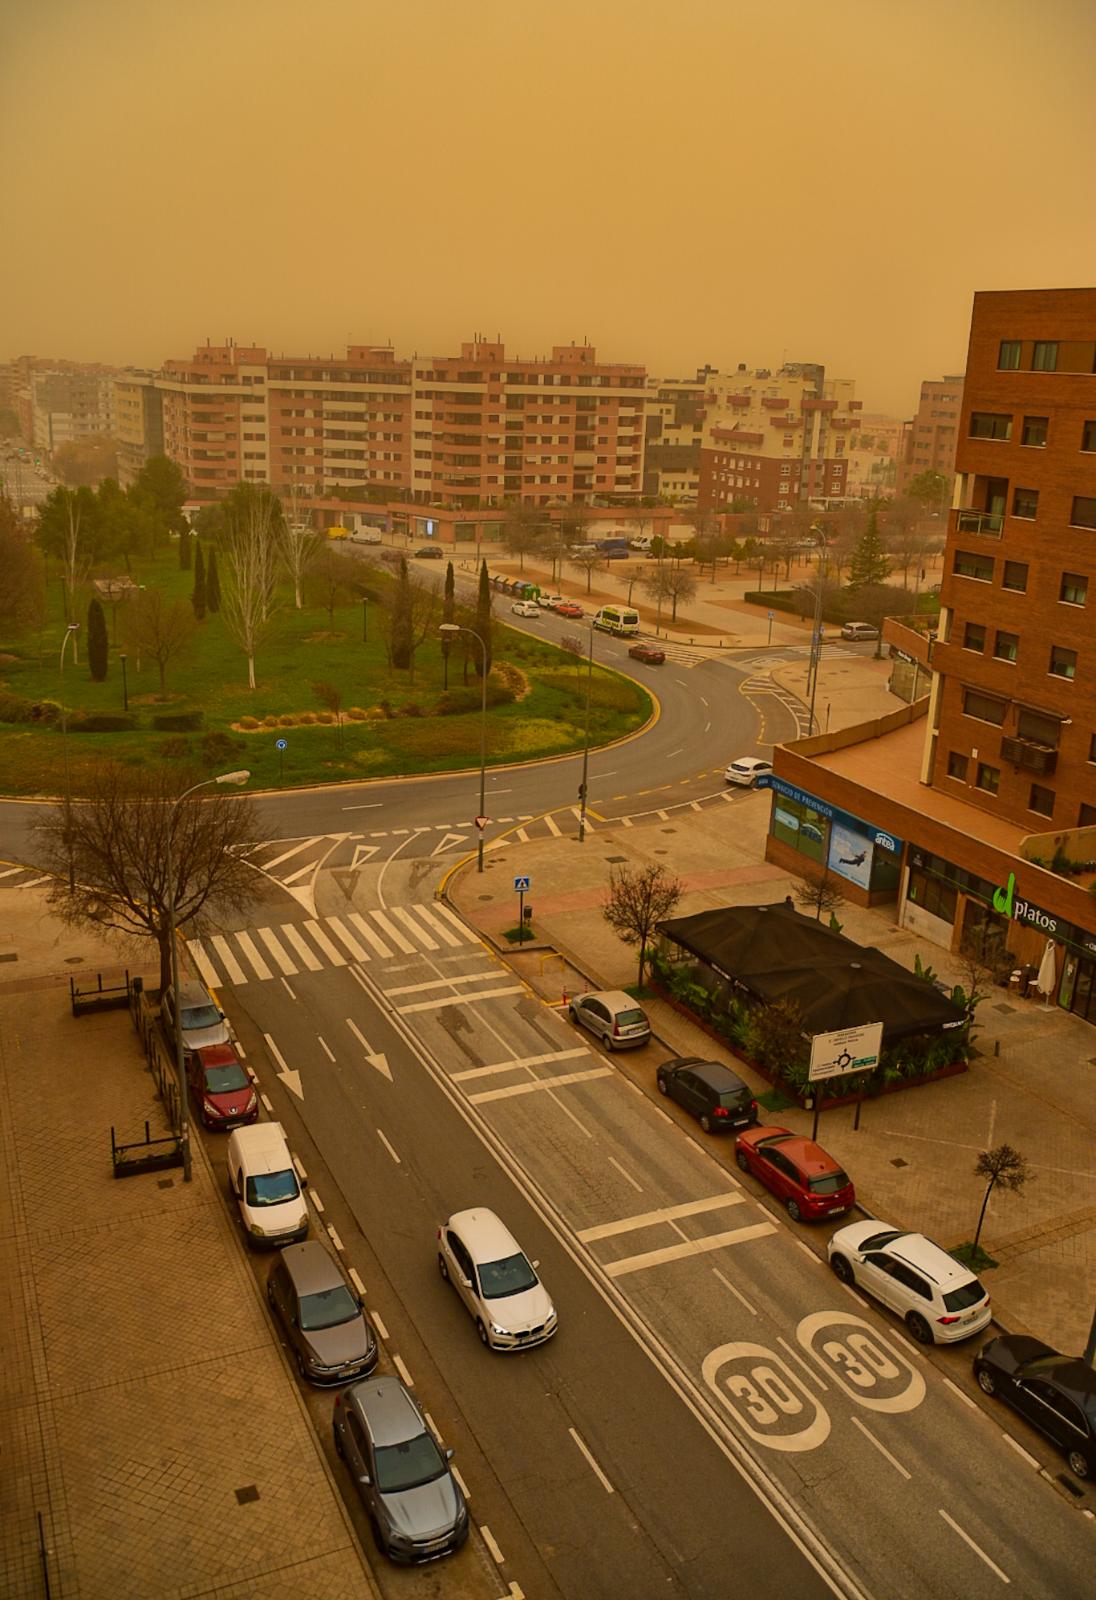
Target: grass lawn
<point x="400" y="733"/>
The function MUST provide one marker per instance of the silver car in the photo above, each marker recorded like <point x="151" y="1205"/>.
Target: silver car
<point x="411" y="1497"/>
<point x="494" y="1277"/>
<point x="612" y="1016"/>
<point x="328" y="1332"/>
<point x="201" y="1021"/>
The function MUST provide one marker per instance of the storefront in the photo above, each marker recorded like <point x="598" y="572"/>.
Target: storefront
<point x="865" y="856"/>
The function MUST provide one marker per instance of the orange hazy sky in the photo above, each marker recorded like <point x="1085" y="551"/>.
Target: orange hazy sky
<point x="677" y="182"/>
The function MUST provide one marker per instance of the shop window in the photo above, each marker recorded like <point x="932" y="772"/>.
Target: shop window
<point x="989" y="778"/>
<point x="1005" y="645"/>
<point x="958" y="765"/>
<point x="1063" y="662"/>
<point x="1041" y="800"/>
<point x="1034" y="431"/>
<point x="1073" y="590"/>
<point x="1015" y="576"/>
<point x="932" y="894"/>
<point x="983" y="706"/>
<point x="974" y="637"/>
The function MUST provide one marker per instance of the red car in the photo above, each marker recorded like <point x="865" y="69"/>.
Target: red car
<point x="222" y="1090"/>
<point x="569" y="609"/>
<point x="798" y="1171"/>
<point x="649" y="653"/>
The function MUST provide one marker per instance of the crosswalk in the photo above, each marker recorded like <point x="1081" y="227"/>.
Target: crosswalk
<point x="284" y="950"/>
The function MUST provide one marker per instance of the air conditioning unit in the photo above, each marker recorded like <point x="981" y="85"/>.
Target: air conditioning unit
<point x="1030" y="756"/>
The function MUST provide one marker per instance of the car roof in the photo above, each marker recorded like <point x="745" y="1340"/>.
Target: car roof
<point x="750" y="761"/>
<point x="809" y="1157"/>
<point x="311" y="1268"/>
<point x="485" y="1234"/>
<point x="713" y="1073"/>
<point x="391" y="1414"/>
<point x="929" y="1258"/>
<point x="218" y="1055"/>
<point x="615" y="999"/>
<point x="194" y="994"/>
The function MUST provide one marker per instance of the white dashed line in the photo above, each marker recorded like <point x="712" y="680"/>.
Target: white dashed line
<point x="401" y="1367"/>
<point x="739" y="1296"/>
<point x="382" y="1331"/>
<point x="489" y="1541"/>
<point x="1020" y="1451"/>
<point x="992" y="1565"/>
<point x="388" y="1147"/>
<point x="808" y="1251"/>
<point x="316" y="1201"/>
<point x="335" y="1240"/>
<point x="323" y="1047"/>
<point x="591" y="1463"/>
<point x="965" y="1398"/>
<point x="627" y="1176"/>
<point x="357" y="1282"/>
<point x="288" y="990"/>
<point x="266" y="1104"/>
<point x="461" y="1485"/>
<point x="813" y="1376"/>
<point x="883" y="1451"/>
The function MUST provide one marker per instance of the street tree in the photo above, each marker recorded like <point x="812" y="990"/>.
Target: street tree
<point x="586" y="561"/>
<point x="213" y="583"/>
<point x="121" y="838"/>
<point x="87" y="461"/>
<point x="301" y="549"/>
<point x="334" y="581"/>
<point x="23" y="589"/>
<point x="484" y="626"/>
<point x="448" y="608"/>
<point x="160" y="489"/>
<point x="869" y="564"/>
<point x="931" y="489"/>
<point x="399" y="620"/>
<point x="252" y="520"/>
<point x="521" y="531"/>
<point x="186" y="551"/>
<point x="98" y="643"/>
<point x="426" y="613"/>
<point x="671" y="580"/>
<point x="639" y="897"/>
<point x="817" y="895"/>
<point x="1001" y="1167"/>
<point x="158" y="629"/>
<point x="198" y="593"/>
<point x="330" y="697"/>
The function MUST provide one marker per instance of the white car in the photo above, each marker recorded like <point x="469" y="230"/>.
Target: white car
<point x="549" y="602"/>
<point x="525" y="608"/>
<point x="494" y="1277"/>
<point x="937" y="1298"/>
<point x="746" y="770"/>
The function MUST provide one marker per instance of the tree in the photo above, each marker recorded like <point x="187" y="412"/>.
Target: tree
<point x="160" y="488"/>
<point x="210" y="523"/>
<point x="66" y="521"/>
<point x="521" y="531"/>
<point x="87" y="461"/>
<point x="98" y="643"/>
<point x="818" y="895"/>
<point x="448" y="608"/>
<point x="23" y="589"/>
<point x="198" y="596"/>
<point x="931" y="489"/>
<point x="300" y="548"/>
<point x="586" y="561"/>
<point x="120" y="847"/>
<point x="1002" y="1166"/>
<point x="213" y="584"/>
<point x="483" y="626"/>
<point x="252" y="516"/>
<point x="186" y="551"/>
<point x="159" y="629"/>
<point x="425" y="609"/>
<point x="334" y="580"/>
<point x="331" y="696"/>
<point x="639" y="898"/>
<point x="672" y="581"/>
<point x="869" y="563"/>
<point x="399" y="621"/>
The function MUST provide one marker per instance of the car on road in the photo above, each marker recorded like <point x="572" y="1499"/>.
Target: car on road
<point x="525" y="608"/>
<point x="650" y="653"/>
<point x="549" y="602"/>
<point x="859" y="630"/>
<point x="413" y="1502"/>
<point x="201" y="1021"/>
<point x="366" y="536"/>
<point x="808" y="1181"/>
<point x="328" y="1332"/>
<point x="223" y="1092"/>
<point x="1056" y="1393"/>
<point x="746" y="770"/>
<point x="429" y="552"/>
<point x="569" y="608"/>
<point x="937" y="1298"/>
<point x="494" y="1277"/>
<point x="612" y="1016"/>
<point x="711" y="1092"/>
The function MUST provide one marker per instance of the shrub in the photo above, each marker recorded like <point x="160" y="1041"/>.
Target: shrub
<point x="412" y="709"/>
<point x="218" y="748"/>
<point x="500" y="694"/>
<point x="13" y="708"/>
<point x="456" y="701"/>
<point x="326" y="717"/>
<point x="307" y="718"/>
<point x="287" y="721"/>
<point x="176" y="749"/>
<point x="357" y="714"/>
<point x="177" y="721"/>
<point x="386" y="709"/>
<point x="100" y="722"/>
<point x="249" y="722"/>
<point x="271" y="721"/>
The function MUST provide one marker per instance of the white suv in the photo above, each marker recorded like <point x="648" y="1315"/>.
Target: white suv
<point x="939" y="1299"/>
<point x="483" y="1261"/>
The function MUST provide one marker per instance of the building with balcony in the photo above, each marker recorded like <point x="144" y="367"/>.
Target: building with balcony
<point x="673" y="434"/>
<point x="70" y="405"/>
<point x="138" y="423"/>
<point x="930" y="438"/>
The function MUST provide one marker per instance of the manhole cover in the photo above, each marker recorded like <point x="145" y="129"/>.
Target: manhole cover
<point x="487" y="897"/>
<point x="898" y="1162"/>
<point x="245" y="1496"/>
<point x="165" y="1183"/>
<point x="667" y="830"/>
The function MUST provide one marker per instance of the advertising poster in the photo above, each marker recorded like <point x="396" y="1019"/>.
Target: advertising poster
<point x="850" y="854"/>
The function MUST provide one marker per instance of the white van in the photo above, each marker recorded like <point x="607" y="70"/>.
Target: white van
<point x="265" y="1186"/>
<point x="617" y="619"/>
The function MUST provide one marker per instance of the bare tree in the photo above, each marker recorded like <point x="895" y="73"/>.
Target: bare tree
<point x="330" y="697"/>
<point x="426" y="608"/>
<point x="119" y="840"/>
<point x="334" y="580"/>
<point x="818" y="895"/>
<point x="249" y="545"/>
<point x="298" y="545"/>
<point x="587" y="561"/>
<point x="639" y="898"/>
<point x="1002" y="1166"/>
<point x="159" y="629"/>
<point x="671" y="580"/>
<point x="521" y="531"/>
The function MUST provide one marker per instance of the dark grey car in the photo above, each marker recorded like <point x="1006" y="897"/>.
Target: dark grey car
<point x="714" y="1094"/>
<point x="413" y="1501"/>
<point x="328" y="1332"/>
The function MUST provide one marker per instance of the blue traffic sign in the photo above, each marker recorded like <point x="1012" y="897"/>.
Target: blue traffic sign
<point x="280" y="744"/>
<point x="521" y="885"/>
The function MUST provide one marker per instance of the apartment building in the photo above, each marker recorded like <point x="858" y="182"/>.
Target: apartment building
<point x="215" y="417"/>
<point x="932" y="435"/>
<point x="70" y="405"/>
<point x="138" y="423"/>
<point x="673" y="434"/>
<point x="773" y="441"/>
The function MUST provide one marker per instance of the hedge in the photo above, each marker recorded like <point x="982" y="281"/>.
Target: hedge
<point x="177" y="721"/>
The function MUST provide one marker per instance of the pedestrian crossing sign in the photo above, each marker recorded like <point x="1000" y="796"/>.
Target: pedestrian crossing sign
<point x="521" y="885"/>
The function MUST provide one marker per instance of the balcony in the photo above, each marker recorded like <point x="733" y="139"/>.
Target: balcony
<point x="1029" y="755"/>
<point x="987" y="523"/>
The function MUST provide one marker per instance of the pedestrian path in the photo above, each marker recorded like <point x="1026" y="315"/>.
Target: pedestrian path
<point x="288" y="948"/>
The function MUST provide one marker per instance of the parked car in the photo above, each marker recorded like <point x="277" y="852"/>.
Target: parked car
<point x="411" y="1497"/>
<point x="799" y="1172"/>
<point x="366" y="536"/>
<point x="1056" y="1393"/>
<point x="338" y="532"/>
<point x="859" y="630"/>
<point x="498" y="1283"/>
<point x="328" y="1332"/>
<point x="711" y="1092"/>
<point x="746" y="770"/>
<point x="429" y="552"/>
<point x="222" y="1090"/>
<point x="201" y="1021"/>
<point x="937" y="1298"/>
<point x="650" y="653"/>
<point x="569" y="608"/>
<point x="612" y="1016"/>
<point x="549" y="602"/>
<point x="525" y="608"/>
<point x="264" y="1184"/>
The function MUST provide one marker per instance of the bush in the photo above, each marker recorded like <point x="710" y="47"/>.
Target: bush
<point x="357" y="714"/>
<point x="287" y="721"/>
<point x="456" y="701"/>
<point x="13" y="708"/>
<point x="176" y="749"/>
<point x="500" y="694"/>
<point x="177" y="721"/>
<point x="249" y="723"/>
<point x="270" y="722"/>
<point x="326" y="717"/>
<point x="101" y="723"/>
<point x="412" y="709"/>
<point x="217" y="749"/>
<point x="307" y="718"/>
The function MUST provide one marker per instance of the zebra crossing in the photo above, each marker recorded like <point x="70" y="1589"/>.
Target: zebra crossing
<point x="284" y="950"/>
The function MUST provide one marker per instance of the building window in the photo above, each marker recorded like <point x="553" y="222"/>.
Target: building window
<point x="989" y="778"/>
<point x="1025" y="503"/>
<point x="957" y="765"/>
<point x="1041" y="800"/>
<point x="983" y="706"/>
<point x="1008" y="355"/>
<point x="1044" y="358"/>
<point x="1063" y="663"/>
<point x="974" y="637"/>
<point x="1015" y="576"/>
<point x="1092" y="747"/>
<point x="1083" y="514"/>
<point x="990" y="425"/>
<point x="1086" y="817"/>
<point x="969" y="565"/>
<point x="1088" y="436"/>
<point x="1073" y="590"/>
<point x="1034" y="431"/>
<point x="1006" y="645"/>
<point x="1038" y="728"/>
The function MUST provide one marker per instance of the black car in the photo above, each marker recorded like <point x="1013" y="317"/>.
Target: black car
<point x="429" y="552"/>
<point x="714" y="1094"/>
<point x="1056" y="1393"/>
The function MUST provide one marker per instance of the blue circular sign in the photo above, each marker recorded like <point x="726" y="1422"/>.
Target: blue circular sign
<point x="280" y="744"/>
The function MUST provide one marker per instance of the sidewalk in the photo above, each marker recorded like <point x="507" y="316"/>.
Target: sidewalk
<point x="147" y="1414"/>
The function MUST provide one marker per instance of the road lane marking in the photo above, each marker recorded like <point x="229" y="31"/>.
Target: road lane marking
<point x="401" y="1367"/>
<point x="270" y="939"/>
<point x="268" y="866"/>
<point x="288" y="990"/>
<point x="367" y="933"/>
<point x="336" y="957"/>
<point x="727" y="1284"/>
<point x="807" y="1249"/>
<point x="378" y="1323"/>
<point x="236" y="973"/>
<point x="559" y="1082"/>
<point x="625" y="1174"/>
<point x="323" y="1047"/>
<point x="342" y="932"/>
<point x="883" y="1451"/>
<point x="251" y="954"/>
<point x="461" y="999"/>
<point x="688" y="1247"/>
<point x="484" y="976"/>
<point x="266" y="1104"/>
<point x="462" y="1486"/>
<point x="316" y="1201"/>
<point x="551" y="824"/>
<point x="294" y="938"/>
<point x="489" y="1540"/>
<point x="965" y="1398"/>
<point x="359" y="1035"/>
<point x="514" y="1063"/>
<point x="397" y="938"/>
<point x="591" y="1463"/>
<point x="413" y="927"/>
<point x="374" y="805"/>
<point x="435" y="924"/>
<point x="388" y="1147"/>
<point x="335" y="1240"/>
<point x="992" y="1565"/>
<point x="352" y="1274"/>
<point x="462" y="927"/>
<point x="1020" y="1451"/>
<point x="647" y="1219"/>
<point x="301" y="872"/>
<point x="206" y="970"/>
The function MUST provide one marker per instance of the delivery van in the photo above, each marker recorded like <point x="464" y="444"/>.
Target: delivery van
<point x="617" y="619"/>
<point x="265" y="1186"/>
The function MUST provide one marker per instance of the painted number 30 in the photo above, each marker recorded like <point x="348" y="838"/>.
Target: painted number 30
<point x="766" y="1395"/>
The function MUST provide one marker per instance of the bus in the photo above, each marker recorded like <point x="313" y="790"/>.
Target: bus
<point x="617" y="619"/>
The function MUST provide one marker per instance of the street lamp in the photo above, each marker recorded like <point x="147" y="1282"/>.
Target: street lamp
<point x="450" y="628"/>
<point x="235" y="778"/>
<point x="586" y="740"/>
<point x="816" y="636"/>
<point x="125" y="685"/>
<point x="70" y="633"/>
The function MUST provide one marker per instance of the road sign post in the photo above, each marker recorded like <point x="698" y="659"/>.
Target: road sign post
<point x="521" y="888"/>
<point x="769" y="640"/>
<point x="843" y="1051"/>
<point x="279" y="745"/>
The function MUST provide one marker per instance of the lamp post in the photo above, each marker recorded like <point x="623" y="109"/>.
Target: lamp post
<point x="586" y="740"/>
<point x="450" y="628"/>
<point x="816" y="635"/>
<point x="235" y="778"/>
<point x="70" y="633"/>
<point x="125" y="685"/>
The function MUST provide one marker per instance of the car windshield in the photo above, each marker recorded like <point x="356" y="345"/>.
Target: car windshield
<point x="222" y="1080"/>
<point x="328" y="1309"/>
<point x="631" y="1019"/>
<point x="832" y="1183"/>
<point x="511" y="1275"/>
<point x="206" y="1016"/>
<point x="272" y="1188"/>
<point x="407" y="1465"/>
<point x="968" y="1295"/>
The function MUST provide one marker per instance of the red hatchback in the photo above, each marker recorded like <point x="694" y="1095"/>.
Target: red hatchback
<point x="569" y="609"/>
<point x="798" y="1171"/>
<point x="651" y="654"/>
<point x="221" y="1087"/>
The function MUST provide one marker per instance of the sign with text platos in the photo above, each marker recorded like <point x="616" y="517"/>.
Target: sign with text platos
<point x="845" y="1050"/>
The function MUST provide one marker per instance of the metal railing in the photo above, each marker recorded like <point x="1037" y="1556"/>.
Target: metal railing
<point x="988" y="523"/>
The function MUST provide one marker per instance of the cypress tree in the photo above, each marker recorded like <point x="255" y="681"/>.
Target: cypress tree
<point x="483" y="620"/>
<point x="185" y="551"/>
<point x="212" y="584"/>
<point x="401" y="645"/>
<point x="198" y="593"/>
<point x="869" y="562"/>
<point x="98" y="644"/>
<point x="448" y="610"/>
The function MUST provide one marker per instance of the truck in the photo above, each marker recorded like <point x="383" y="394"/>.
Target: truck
<point x="614" y="548"/>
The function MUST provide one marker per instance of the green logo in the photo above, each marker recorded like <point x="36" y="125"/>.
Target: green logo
<point x="1002" y="898"/>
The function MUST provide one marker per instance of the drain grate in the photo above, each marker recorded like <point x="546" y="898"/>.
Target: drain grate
<point x="246" y="1495"/>
<point x="615" y="859"/>
<point x="165" y="1183"/>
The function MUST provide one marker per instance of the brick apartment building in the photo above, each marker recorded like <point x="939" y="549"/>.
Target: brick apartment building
<point x="674" y="432"/>
<point x="930" y="438"/>
<point x="957" y="807"/>
<point x="138" y="423"/>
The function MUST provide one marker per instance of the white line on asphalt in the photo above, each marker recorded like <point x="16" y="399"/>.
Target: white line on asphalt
<point x="992" y="1565"/>
<point x="299" y="1169"/>
<point x="266" y="1104"/>
<point x="432" y="1425"/>
<point x="912" y="1348"/>
<point x="336" y="957"/>
<point x="335" y="1240"/>
<point x="357" y="1282"/>
<point x="206" y="970"/>
<point x="727" y="1284"/>
<point x="382" y="1331"/>
<point x="374" y="805"/>
<point x="550" y="822"/>
<point x="859" y="1298"/>
<point x="707" y="727"/>
<point x="523" y="836"/>
<point x="323" y="1047"/>
<point x="808" y="1251"/>
<point x="316" y="1201"/>
<point x="514" y="1063"/>
<point x="301" y="872"/>
<point x="498" y="971"/>
<point x="811" y="1374"/>
<point x="560" y="1082"/>
<point x="965" y="1398"/>
<point x="275" y="1052"/>
<point x="460" y="999"/>
<point x="288" y="990"/>
<point x="268" y="866"/>
<point x="251" y="953"/>
<point x="413" y="927"/>
<point x="435" y="924"/>
<point x="393" y="933"/>
<point x="1020" y="1451"/>
<point x="688" y="1247"/>
<point x="236" y="973"/>
<point x="625" y="1174"/>
<point x="883" y="1451"/>
<point x="367" y="933"/>
<point x="590" y="1462"/>
<point x="703" y="702"/>
<point x="359" y="979"/>
<point x="489" y="1541"/>
<point x="647" y="1219"/>
<point x="664" y="815"/>
<point x="343" y="934"/>
<point x="389" y="1148"/>
<point x="401" y="1367"/>
<point x="462" y="928"/>
<point x="307" y="956"/>
<point x="462" y="1486"/>
<point x="359" y="1035"/>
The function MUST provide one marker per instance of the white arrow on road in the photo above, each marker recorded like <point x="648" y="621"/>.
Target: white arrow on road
<point x="375" y="1058"/>
<point x="362" y="852"/>
<point x="292" y="1080"/>
<point x="450" y="838"/>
